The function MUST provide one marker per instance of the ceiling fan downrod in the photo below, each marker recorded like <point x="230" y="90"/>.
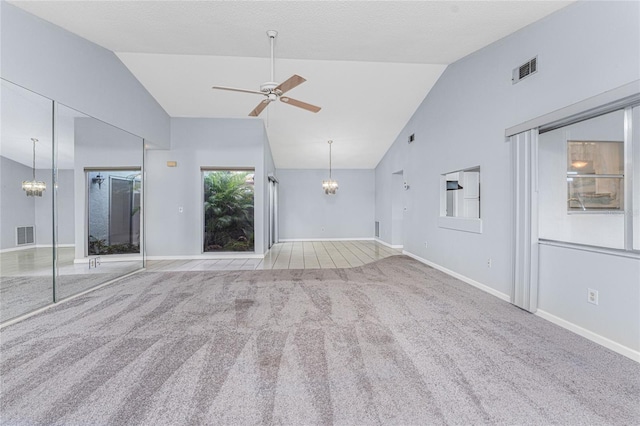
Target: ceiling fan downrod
<point x="272" y="37"/>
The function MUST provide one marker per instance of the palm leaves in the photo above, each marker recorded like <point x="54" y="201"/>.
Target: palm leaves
<point x="228" y="211"/>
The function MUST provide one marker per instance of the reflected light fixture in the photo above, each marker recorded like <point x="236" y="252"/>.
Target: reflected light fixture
<point x="34" y="188"/>
<point x="330" y="186"/>
<point x="98" y="179"/>
<point x="581" y="157"/>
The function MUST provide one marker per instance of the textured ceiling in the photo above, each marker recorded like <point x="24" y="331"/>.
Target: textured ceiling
<point x="368" y="64"/>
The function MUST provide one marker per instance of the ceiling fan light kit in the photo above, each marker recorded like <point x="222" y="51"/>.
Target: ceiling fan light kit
<point x="271" y="90"/>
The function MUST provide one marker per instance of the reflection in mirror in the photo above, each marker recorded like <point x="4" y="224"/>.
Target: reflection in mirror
<point x="114" y="211"/>
<point x="462" y="193"/>
<point x="26" y="242"/>
<point x="99" y="210"/>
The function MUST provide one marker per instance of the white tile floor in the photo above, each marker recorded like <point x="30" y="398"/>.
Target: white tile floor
<point x="38" y="261"/>
<point x="290" y="255"/>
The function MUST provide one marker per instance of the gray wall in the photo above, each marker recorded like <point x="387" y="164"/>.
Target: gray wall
<point x="44" y="220"/>
<point x="62" y="66"/>
<point x="583" y="50"/>
<point x="307" y="212"/>
<point x="565" y="276"/>
<point x="196" y="143"/>
<point x="16" y="209"/>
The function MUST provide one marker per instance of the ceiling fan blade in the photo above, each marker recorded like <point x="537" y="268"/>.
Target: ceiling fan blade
<point x="293" y="81"/>
<point x="300" y="104"/>
<point x="261" y="106"/>
<point x="233" y="89"/>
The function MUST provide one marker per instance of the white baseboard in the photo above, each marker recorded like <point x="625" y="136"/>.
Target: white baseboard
<point x="106" y="258"/>
<point x="293" y="240"/>
<point x="594" y="337"/>
<point x="384" y="243"/>
<point x="461" y="277"/>
<point x="32" y="246"/>
<point x="217" y="256"/>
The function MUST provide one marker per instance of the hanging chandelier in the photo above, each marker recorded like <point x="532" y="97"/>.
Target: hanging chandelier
<point x="330" y="186"/>
<point x="34" y="188"/>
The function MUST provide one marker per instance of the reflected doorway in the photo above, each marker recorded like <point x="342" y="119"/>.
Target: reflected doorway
<point x="113" y="211"/>
<point x="397" y="208"/>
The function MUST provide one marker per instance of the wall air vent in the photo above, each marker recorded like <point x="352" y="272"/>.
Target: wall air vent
<point x="412" y="137"/>
<point x="24" y="235"/>
<point x="525" y="70"/>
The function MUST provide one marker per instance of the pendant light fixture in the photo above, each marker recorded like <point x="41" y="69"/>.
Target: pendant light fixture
<point x="34" y="188"/>
<point x="330" y="186"/>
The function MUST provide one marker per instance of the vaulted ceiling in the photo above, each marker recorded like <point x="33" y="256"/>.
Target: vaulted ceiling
<point x="368" y="64"/>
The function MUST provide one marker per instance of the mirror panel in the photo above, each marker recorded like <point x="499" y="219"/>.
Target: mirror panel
<point x="26" y="230"/>
<point x="99" y="206"/>
<point x="48" y="186"/>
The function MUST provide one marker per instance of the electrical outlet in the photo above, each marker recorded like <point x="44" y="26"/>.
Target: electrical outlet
<point x="489" y="263"/>
<point x="425" y="244"/>
<point x="592" y="296"/>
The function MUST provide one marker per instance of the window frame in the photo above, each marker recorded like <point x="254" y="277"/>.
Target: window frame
<point x="572" y="175"/>
<point x="626" y="105"/>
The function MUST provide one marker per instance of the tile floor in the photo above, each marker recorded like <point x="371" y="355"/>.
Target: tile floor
<point x="290" y="255"/>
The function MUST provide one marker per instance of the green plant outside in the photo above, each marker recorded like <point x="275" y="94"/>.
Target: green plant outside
<point x="228" y="211"/>
<point x="98" y="247"/>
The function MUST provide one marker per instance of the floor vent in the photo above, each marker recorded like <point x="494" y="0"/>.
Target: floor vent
<point x="377" y="233"/>
<point x="24" y="235"/>
<point x="525" y="70"/>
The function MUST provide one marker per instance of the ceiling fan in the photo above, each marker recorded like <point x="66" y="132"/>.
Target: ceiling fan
<point x="273" y="91"/>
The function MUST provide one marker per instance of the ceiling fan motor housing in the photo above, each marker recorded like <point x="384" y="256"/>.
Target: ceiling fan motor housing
<point x="268" y="86"/>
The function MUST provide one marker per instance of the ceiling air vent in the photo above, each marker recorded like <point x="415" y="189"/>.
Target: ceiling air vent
<point x="412" y="137"/>
<point x="525" y="70"/>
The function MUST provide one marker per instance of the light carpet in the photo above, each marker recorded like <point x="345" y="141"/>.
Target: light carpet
<point x="392" y="342"/>
<point x="22" y="294"/>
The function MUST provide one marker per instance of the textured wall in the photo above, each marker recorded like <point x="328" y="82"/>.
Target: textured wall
<point x="583" y="50"/>
<point x="196" y="143"/>
<point x="307" y="212"/>
<point x="62" y="66"/>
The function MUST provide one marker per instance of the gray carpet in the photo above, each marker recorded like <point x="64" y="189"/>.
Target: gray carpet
<point x="22" y="294"/>
<point x="392" y="342"/>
